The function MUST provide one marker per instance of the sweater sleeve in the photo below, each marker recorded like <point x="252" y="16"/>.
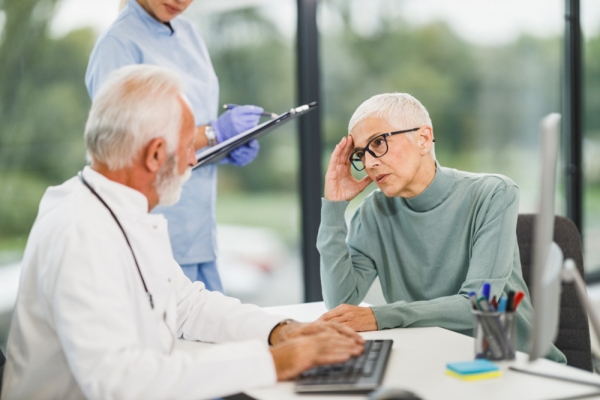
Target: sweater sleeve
<point x="346" y="273"/>
<point x="491" y="259"/>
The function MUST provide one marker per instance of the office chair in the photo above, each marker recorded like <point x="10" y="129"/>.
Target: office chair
<point x="573" y="331"/>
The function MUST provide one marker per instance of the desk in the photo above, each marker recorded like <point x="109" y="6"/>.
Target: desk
<point x="418" y="363"/>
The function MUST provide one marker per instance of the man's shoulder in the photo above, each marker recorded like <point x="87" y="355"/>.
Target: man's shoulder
<point x="69" y="211"/>
<point x="62" y="208"/>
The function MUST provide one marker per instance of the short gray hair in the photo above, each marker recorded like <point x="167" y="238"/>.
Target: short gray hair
<point x="401" y="110"/>
<point x="136" y="104"/>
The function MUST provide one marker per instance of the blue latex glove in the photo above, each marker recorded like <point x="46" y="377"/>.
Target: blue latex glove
<point x="243" y="155"/>
<point x="236" y="121"/>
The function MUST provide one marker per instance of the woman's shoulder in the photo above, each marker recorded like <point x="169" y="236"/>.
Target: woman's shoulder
<point x="485" y="182"/>
<point x="126" y="28"/>
<point x="377" y="202"/>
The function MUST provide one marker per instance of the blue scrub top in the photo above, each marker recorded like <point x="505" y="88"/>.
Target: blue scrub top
<point x="137" y="38"/>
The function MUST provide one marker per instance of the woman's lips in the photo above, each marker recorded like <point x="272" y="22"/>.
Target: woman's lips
<point x="381" y="178"/>
<point x="171" y="9"/>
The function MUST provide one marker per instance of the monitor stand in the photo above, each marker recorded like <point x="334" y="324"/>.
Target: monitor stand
<point x="570" y="274"/>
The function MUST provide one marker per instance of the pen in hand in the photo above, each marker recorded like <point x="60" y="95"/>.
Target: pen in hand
<point x="264" y="114"/>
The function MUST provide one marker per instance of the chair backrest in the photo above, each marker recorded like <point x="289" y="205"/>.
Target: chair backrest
<point x="573" y="332"/>
<point x="2" y="362"/>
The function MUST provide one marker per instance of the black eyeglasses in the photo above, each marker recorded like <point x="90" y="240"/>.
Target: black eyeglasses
<point x="377" y="147"/>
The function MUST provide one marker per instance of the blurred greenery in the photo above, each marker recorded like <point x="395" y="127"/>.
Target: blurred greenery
<point x="485" y="102"/>
<point x="43" y="108"/>
<point x="592" y="87"/>
<point x="275" y="210"/>
<point x="254" y="63"/>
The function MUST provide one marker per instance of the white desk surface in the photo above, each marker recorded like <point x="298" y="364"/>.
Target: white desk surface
<point x="418" y="363"/>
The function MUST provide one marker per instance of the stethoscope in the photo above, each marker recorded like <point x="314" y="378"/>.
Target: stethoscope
<point x="124" y="234"/>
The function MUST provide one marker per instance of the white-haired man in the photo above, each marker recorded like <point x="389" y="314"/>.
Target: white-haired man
<point x="102" y="301"/>
<point x="431" y="234"/>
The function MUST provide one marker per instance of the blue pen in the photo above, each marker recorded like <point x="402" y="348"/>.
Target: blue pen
<point x="264" y="114"/>
<point x="502" y="304"/>
<point x="485" y="290"/>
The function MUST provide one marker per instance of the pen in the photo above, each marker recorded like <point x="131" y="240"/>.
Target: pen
<point x="510" y="301"/>
<point x="473" y="300"/>
<point x="494" y="303"/>
<point x="518" y="298"/>
<point x="485" y="290"/>
<point x="264" y="114"/>
<point x="502" y="304"/>
<point x="483" y="304"/>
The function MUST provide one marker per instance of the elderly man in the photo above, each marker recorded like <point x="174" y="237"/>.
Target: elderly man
<point x="102" y="301"/>
<point x="431" y="234"/>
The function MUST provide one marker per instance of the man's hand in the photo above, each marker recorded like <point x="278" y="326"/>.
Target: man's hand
<point x="296" y="329"/>
<point x="340" y="184"/>
<point x="297" y="355"/>
<point x="361" y="319"/>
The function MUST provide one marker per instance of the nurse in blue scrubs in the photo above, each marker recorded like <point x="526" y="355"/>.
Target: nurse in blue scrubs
<point x="153" y="32"/>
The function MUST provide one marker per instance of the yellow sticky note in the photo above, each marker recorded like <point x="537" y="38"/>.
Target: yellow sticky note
<point x="475" y="377"/>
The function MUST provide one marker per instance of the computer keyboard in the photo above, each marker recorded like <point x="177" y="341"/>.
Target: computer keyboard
<point x="360" y="374"/>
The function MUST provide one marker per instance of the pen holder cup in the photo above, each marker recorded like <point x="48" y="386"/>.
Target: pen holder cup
<point x="495" y="335"/>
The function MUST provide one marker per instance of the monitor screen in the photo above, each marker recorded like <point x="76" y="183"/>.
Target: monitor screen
<point x="547" y="259"/>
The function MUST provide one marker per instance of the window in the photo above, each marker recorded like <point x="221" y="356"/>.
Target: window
<point x="591" y="136"/>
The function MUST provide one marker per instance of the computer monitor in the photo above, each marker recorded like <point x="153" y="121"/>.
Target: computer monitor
<point x="549" y="269"/>
<point x="547" y="261"/>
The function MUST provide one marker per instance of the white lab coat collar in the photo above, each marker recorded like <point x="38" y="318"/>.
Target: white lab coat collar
<point x="116" y="195"/>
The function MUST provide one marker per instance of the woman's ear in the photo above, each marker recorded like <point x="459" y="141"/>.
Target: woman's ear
<point x="425" y="139"/>
<point x="156" y="154"/>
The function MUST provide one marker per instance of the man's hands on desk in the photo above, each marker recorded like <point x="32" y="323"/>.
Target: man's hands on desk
<point x="361" y="319"/>
<point x="299" y="346"/>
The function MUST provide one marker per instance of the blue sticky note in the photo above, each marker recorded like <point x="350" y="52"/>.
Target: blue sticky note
<point x="472" y="367"/>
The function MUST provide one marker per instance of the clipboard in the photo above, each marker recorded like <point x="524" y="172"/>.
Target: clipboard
<point x="219" y="151"/>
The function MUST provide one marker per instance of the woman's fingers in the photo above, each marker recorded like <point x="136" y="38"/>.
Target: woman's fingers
<point x="334" y="160"/>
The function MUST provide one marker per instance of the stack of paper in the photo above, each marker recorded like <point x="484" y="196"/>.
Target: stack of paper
<point x="473" y="370"/>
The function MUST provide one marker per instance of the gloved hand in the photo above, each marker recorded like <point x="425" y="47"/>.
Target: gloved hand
<point x="236" y="121"/>
<point x="243" y="155"/>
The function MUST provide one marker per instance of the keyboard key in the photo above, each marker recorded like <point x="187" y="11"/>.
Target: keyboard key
<point x="343" y="376"/>
<point x="369" y="368"/>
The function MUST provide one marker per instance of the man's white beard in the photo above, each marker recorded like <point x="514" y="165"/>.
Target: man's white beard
<point x="169" y="182"/>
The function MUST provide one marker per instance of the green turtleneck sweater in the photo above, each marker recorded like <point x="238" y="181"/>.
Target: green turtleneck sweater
<point x="429" y="252"/>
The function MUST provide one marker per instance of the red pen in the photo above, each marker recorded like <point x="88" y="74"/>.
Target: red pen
<point x="494" y="303"/>
<point x="518" y="298"/>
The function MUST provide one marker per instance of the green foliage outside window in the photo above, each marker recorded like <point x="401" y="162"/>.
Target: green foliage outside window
<point x="485" y="102"/>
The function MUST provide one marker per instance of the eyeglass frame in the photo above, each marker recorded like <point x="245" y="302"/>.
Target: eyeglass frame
<point x="384" y="136"/>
